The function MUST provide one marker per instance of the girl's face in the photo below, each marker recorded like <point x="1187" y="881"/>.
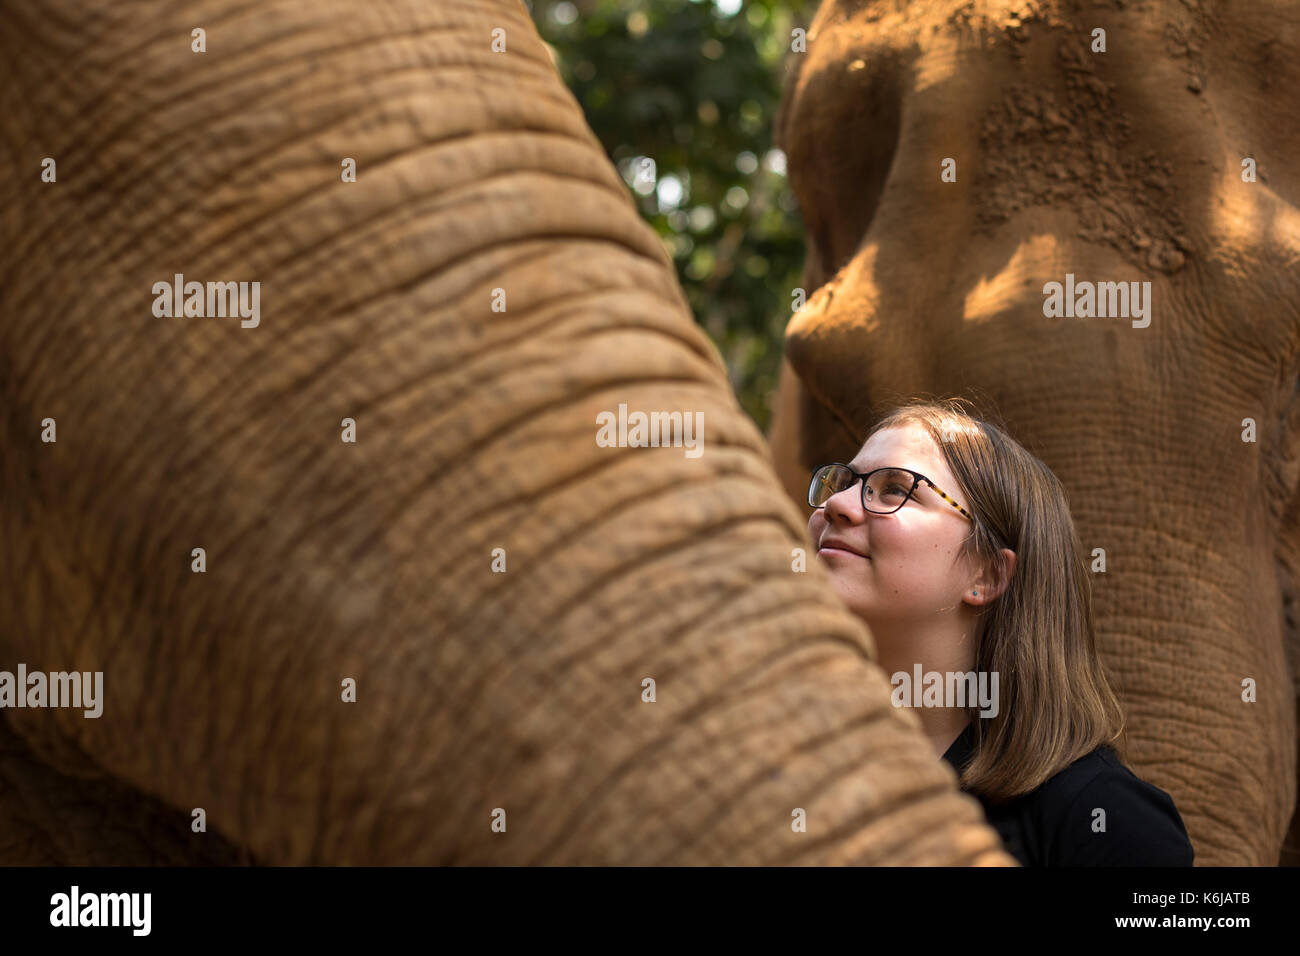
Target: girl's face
<point x="906" y="567"/>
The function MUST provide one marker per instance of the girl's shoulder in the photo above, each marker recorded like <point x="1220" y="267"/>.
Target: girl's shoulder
<point x="1097" y="812"/>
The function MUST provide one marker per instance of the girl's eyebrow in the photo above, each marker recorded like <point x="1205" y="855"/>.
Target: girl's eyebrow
<point x="864" y="471"/>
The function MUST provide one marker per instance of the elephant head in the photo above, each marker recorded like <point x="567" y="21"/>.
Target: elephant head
<point x="363" y="583"/>
<point x="952" y="160"/>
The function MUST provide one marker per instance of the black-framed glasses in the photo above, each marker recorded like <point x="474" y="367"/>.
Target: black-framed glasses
<point x="884" y="490"/>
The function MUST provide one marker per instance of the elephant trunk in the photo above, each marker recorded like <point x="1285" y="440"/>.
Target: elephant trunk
<point x="364" y="579"/>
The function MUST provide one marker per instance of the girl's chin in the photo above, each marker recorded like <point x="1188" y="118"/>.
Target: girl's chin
<point x="852" y="594"/>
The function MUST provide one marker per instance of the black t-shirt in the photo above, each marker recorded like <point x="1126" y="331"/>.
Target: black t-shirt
<point x="1057" y="824"/>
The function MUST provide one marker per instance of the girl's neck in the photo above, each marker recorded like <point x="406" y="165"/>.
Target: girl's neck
<point x="940" y="650"/>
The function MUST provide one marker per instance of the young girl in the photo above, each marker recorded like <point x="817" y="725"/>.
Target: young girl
<point x="957" y="548"/>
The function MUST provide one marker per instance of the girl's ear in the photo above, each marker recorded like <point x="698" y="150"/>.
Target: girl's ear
<point x="993" y="580"/>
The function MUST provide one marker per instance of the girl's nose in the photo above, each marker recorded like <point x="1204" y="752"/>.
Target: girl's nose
<point x="846" y="504"/>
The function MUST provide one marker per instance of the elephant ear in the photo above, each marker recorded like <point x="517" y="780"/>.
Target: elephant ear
<point x="438" y="619"/>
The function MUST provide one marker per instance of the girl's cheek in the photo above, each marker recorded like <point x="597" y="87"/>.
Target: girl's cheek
<point x="884" y="531"/>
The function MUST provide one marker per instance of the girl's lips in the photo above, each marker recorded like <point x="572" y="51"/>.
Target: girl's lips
<point x="830" y="549"/>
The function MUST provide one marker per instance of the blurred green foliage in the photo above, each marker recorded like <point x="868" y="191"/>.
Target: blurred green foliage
<point x="683" y="94"/>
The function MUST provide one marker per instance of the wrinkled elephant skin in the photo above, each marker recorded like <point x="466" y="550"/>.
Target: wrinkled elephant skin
<point x="1122" y="166"/>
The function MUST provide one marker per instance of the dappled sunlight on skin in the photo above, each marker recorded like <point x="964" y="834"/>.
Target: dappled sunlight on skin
<point x="1269" y="224"/>
<point x="1235" y="219"/>
<point x="1284" y="232"/>
<point x="1250" y="228"/>
<point x="859" y="275"/>
<point x="1019" y="280"/>
<point x="939" y="64"/>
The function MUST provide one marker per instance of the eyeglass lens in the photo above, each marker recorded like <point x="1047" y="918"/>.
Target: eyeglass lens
<point x="886" y="488"/>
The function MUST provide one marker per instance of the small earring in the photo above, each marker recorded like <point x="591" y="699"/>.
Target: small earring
<point x="976" y="593"/>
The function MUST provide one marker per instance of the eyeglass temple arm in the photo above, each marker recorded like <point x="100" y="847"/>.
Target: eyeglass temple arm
<point x="939" y="491"/>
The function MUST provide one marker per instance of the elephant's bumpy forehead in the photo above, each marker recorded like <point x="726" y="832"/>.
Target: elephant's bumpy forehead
<point x="1015" y="93"/>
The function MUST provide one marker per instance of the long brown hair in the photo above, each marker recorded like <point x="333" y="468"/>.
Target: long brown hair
<point x="1056" y="704"/>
